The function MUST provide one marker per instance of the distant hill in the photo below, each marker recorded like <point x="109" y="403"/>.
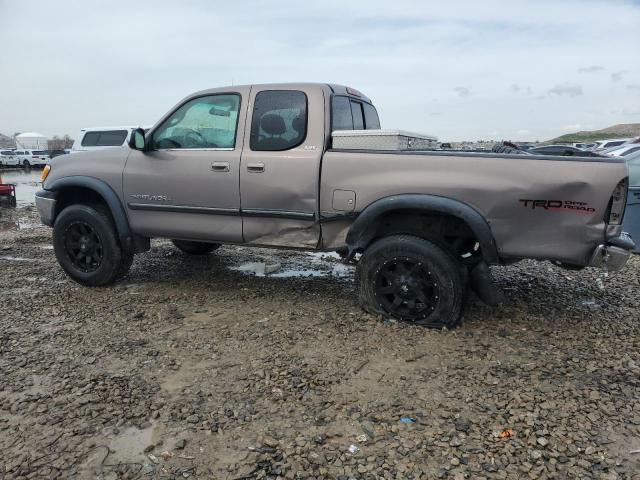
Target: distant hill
<point x="622" y="130"/>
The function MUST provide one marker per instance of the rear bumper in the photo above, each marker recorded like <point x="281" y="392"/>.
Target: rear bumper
<point x="46" y="205"/>
<point x="614" y="254"/>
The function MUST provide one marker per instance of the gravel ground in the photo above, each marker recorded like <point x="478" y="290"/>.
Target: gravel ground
<point x="190" y="369"/>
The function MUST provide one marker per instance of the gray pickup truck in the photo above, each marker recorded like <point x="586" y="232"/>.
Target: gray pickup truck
<point x="256" y="165"/>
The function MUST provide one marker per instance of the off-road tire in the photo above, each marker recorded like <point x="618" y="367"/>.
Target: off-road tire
<point x="436" y="272"/>
<point x="195" y="248"/>
<point x="114" y="262"/>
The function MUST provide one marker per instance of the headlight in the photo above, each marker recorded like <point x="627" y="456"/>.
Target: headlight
<point x="45" y="173"/>
<point x="618" y="202"/>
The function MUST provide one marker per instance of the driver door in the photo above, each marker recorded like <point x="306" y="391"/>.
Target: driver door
<point x="187" y="186"/>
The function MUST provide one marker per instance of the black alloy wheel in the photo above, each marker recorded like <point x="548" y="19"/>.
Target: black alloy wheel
<point x="406" y="288"/>
<point x="83" y="246"/>
<point x="412" y="279"/>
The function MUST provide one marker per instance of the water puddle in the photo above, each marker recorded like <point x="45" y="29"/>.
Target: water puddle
<point x="17" y="259"/>
<point x="129" y="444"/>
<point x="314" y="264"/>
<point x="20" y="224"/>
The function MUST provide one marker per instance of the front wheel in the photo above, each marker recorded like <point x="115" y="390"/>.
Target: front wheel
<point x="87" y="247"/>
<point x="411" y="279"/>
<point x="195" y="248"/>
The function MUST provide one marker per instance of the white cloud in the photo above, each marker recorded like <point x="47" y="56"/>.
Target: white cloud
<point x="591" y="69"/>
<point x="617" y="76"/>
<point x="567" y="89"/>
<point x="123" y="62"/>
<point x="463" y="91"/>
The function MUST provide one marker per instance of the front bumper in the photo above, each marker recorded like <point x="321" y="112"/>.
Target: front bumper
<point x="46" y="205"/>
<point x="614" y="254"/>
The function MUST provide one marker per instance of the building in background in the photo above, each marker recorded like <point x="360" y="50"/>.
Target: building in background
<point x="32" y="141"/>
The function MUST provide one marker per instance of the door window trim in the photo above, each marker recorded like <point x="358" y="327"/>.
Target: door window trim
<point x="153" y="131"/>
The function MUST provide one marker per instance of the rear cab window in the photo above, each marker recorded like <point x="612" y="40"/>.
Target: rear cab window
<point x="351" y="114"/>
<point x="106" y="138"/>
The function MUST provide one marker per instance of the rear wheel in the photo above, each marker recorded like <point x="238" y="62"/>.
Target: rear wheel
<point x="195" y="248"/>
<point x="87" y="247"/>
<point x="26" y="164"/>
<point x="411" y="279"/>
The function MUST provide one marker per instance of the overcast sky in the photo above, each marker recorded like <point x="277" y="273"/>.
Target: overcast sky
<point x="468" y="69"/>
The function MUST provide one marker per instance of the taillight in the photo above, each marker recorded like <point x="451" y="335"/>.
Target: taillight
<point x="618" y="202"/>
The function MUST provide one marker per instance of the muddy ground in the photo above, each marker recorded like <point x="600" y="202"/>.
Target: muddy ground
<point x="189" y="368"/>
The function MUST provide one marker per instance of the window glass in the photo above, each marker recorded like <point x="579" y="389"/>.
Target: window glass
<point x="279" y="120"/>
<point x="341" y="114"/>
<point x="634" y="172"/>
<point x="113" y="138"/>
<point x="358" y="117"/>
<point x="7" y="152"/>
<point x="630" y="151"/>
<point x="39" y="152"/>
<point x="90" y="139"/>
<point x="371" y="120"/>
<point x="613" y="144"/>
<point x="204" y="122"/>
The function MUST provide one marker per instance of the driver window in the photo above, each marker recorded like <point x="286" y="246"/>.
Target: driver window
<point x="204" y="122"/>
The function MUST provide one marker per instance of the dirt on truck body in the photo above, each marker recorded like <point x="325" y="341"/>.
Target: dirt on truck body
<point x="255" y="165"/>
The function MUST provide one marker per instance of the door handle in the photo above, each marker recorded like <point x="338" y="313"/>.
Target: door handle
<point x="220" y="166"/>
<point x="257" y="167"/>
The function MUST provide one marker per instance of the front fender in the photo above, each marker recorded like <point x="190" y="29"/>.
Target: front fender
<point x="106" y="192"/>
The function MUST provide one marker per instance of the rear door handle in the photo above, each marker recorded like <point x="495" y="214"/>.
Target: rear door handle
<point x="257" y="167"/>
<point x="220" y="166"/>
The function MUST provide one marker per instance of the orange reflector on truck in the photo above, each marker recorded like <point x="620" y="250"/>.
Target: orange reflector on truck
<point x="45" y="173"/>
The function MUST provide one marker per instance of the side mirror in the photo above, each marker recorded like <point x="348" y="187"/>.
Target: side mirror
<point x="137" y="140"/>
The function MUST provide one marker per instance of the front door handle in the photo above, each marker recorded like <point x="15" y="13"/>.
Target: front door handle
<point x="220" y="166"/>
<point x="257" y="167"/>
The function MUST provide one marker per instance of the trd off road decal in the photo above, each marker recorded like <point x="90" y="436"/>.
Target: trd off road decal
<point x="568" y="206"/>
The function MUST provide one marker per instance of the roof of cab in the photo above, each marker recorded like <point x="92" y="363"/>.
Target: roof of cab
<point x="332" y="87"/>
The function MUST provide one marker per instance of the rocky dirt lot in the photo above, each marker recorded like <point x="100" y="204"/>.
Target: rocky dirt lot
<point x="189" y="368"/>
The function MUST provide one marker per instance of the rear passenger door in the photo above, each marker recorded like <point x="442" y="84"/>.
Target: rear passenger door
<point x="280" y="167"/>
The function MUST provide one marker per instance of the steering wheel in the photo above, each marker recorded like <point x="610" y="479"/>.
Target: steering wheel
<point x="193" y="137"/>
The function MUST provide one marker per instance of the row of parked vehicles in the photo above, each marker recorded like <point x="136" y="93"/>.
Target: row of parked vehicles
<point x="89" y="139"/>
<point x="613" y="147"/>
<point x="28" y="158"/>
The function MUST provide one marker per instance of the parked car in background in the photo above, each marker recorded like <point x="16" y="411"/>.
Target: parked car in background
<point x="101" y="137"/>
<point x="57" y="153"/>
<point x="622" y="150"/>
<point x="611" y="142"/>
<point x="32" y="158"/>
<point x="8" y="158"/>
<point x="584" y="146"/>
<point x="563" y="150"/>
<point x="631" y="221"/>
